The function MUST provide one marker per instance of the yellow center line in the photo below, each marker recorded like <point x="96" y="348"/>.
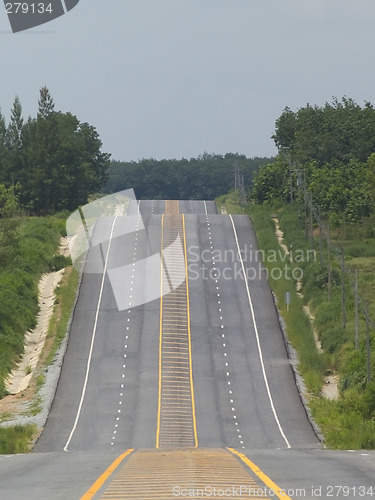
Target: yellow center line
<point x="262" y="476"/>
<point x="103" y="478"/>
<point x="161" y="329"/>
<point x="189" y="336"/>
<point x="176" y="344"/>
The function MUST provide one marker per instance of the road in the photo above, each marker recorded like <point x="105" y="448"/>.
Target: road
<point x="199" y="377"/>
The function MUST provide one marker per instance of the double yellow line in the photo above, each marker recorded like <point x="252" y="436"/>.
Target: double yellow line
<point x="188" y="337"/>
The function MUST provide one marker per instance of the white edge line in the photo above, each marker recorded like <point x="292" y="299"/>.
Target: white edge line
<point x="205" y="206"/>
<point x="258" y="340"/>
<point x="92" y="340"/>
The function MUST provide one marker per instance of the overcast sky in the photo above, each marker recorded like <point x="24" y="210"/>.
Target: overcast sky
<point x="176" y="78"/>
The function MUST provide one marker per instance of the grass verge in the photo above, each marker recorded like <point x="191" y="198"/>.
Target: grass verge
<point x="16" y="439"/>
<point x="283" y="276"/>
<point x="350" y="421"/>
<point x="31" y="246"/>
<point x="34" y="253"/>
<point x="65" y="300"/>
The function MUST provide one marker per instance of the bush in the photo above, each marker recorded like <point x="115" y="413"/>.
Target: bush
<point x="59" y="262"/>
<point x="333" y="338"/>
<point x="362" y="249"/>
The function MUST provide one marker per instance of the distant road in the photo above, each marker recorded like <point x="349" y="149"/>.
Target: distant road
<point x="205" y="368"/>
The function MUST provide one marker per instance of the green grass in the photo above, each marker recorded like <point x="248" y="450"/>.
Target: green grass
<point x="35" y="407"/>
<point x="40" y="381"/>
<point x="65" y="299"/>
<point x="347" y="423"/>
<point x="31" y="248"/>
<point x="343" y="428"/>
<point x="312" y="365"/>
<point x="5" y="416"/>
<point x="230" y="202"/>
<point x="16" y="439"/>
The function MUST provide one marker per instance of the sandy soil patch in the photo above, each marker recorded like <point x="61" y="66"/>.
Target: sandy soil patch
<point x="21" y="383"/>
<point x="280" y="236"/>
<point x="19" y="378"/>
<point x="330" y="387"/>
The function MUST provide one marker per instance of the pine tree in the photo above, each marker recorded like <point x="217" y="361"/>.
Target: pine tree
<point x="13" y="142"/>
<point x="14" y="131"/>
<point x="46" y="105"/>
<point x="3" y="149"/>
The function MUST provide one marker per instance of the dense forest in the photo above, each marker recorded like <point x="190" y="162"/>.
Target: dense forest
<point x="51" y="162"/>
<point x="331" y="149"/>
<point x="202" y="178"/>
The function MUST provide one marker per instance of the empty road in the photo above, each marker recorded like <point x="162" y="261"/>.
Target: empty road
<point x="176" y="373"/>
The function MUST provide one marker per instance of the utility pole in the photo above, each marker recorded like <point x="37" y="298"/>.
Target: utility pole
<point x="235" y="176"/>
<point x="329" y="264"/>
<point x="290" y="183"/>
<point x="343" y="289"/>
<point x="368" y="348"/>
<point x="311" y="227"/>
<point x="286" y="157"/>
<point x="239" y="184"/>
<point x="356" y="319"/>
<point x="320" y="238"/>
<point x="299" y="196"/>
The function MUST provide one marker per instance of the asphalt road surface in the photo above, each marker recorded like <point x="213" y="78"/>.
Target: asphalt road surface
<point x="234" y="383"/>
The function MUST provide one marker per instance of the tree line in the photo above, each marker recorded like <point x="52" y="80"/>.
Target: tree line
<point x="51" y="162"/>
<point x="201" y="178"/>
<point x="331" y="150"/>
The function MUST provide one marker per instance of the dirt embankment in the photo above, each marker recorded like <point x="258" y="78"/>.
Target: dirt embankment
<point x="330" y="387"/>
<point x="21" y="383"/>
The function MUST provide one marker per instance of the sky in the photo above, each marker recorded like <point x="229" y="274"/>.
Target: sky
<point x="177" y="78"/>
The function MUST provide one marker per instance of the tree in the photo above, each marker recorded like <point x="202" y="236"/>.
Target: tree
<point x="4" y="162"/>
<point x="9" y="202"/>
<point x="14" y="132"/>
<point x="62" y="161"/>
<point x="270" y="183"/>
<point x="339" y="130"/>
<point x="14" y="143"/>
<point x="205" y="177"/>
<point x="46" y="105"/>
<point x="94" y="162"/>
<point x="8" y="226"/>
<point x="331" y="145"/>
<point x="370" y="178"/>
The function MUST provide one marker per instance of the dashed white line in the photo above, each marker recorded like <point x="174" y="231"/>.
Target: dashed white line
<point x="221" y="325"/>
